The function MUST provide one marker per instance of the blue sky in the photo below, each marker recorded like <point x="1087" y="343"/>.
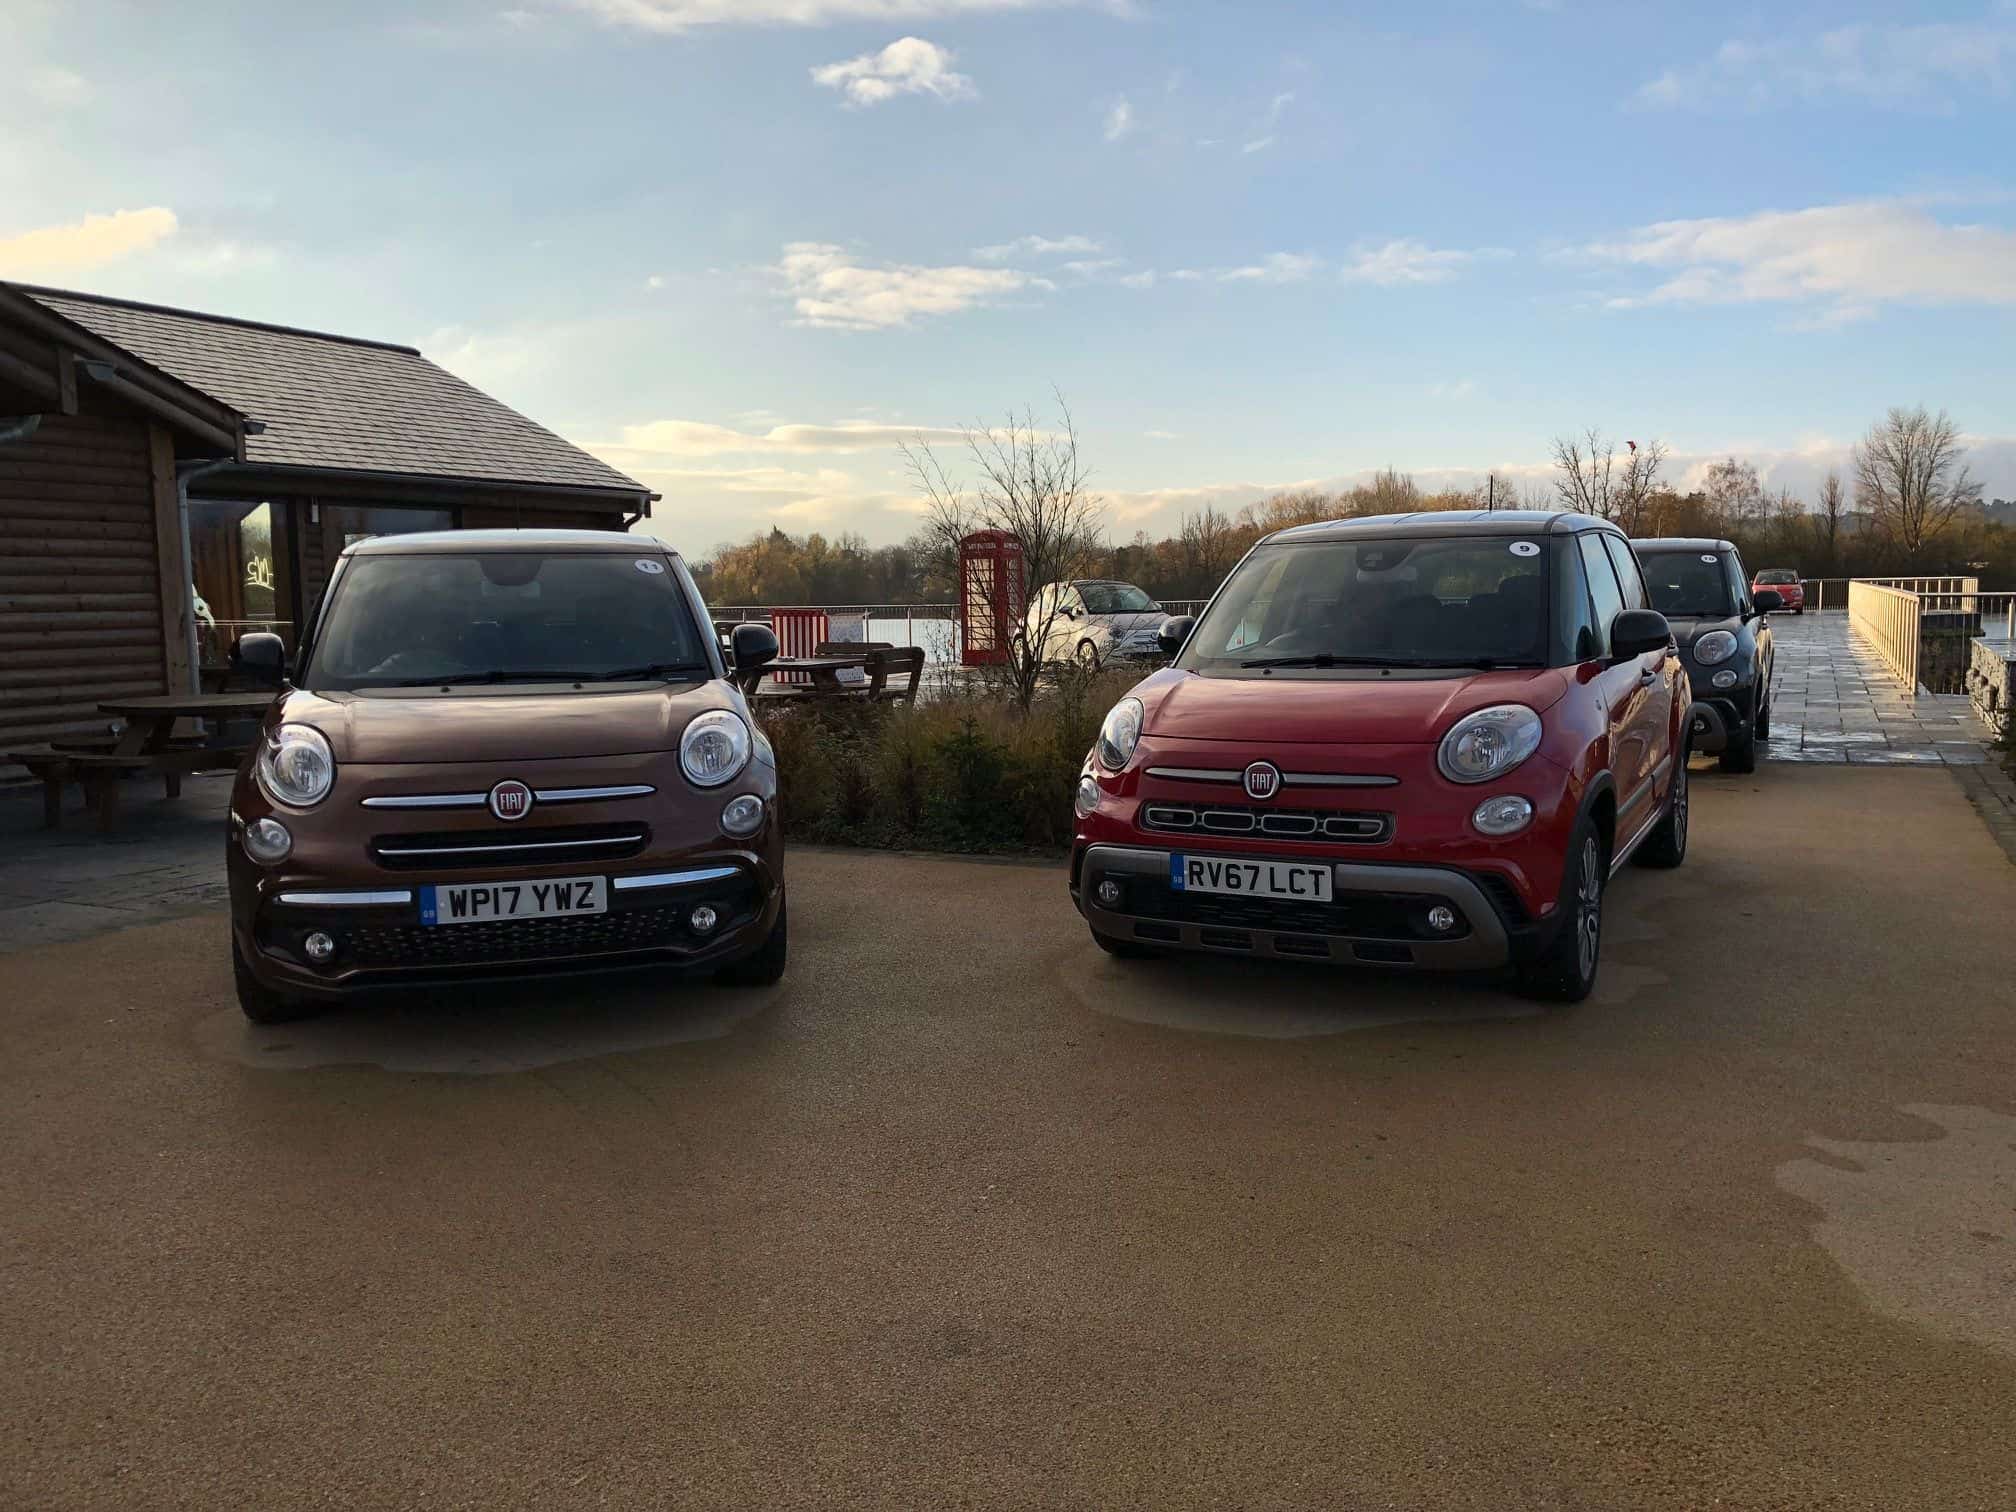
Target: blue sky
<point x="740" y="247"/>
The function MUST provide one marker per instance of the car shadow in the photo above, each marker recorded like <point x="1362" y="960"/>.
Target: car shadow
<point x="1264" y="999"/>
<point x="493" y="1029"/>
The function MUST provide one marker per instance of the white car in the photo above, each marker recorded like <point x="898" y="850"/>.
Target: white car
<point x="1094" y="621"/>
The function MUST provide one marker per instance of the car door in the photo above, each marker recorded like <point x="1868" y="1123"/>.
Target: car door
<point x="1655" y="708"/>
<point x="1067" y="624"/>
<point x="1759" y="626"/>
<point x="1621" y="687"/>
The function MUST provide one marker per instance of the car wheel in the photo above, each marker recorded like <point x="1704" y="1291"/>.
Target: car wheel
<point x="765" y="965"/>
<point x="1088" y="656"/>
<point x="1119" y="949"/>
<point x="1764" y="722"/>
<point x="1566" y="971"/>
<point x="1740" y="754"/>
<point x="1666" y="846"/>
<point x="1800" y="610"/>
<point x="260" y="1003"/>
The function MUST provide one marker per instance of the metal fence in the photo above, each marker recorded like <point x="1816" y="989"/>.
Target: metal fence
<point x="1921" y="626"/>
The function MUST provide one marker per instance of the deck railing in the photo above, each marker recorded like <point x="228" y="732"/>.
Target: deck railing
<point x="1901" y="618"/>
<point x="1888" y="618"/>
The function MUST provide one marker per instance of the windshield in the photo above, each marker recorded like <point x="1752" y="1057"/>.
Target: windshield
<point x="1689" y="584"/>
<point x="521" y="616"/>
<point x="1777" y="575"/>
<point x="1115" y="598"/>
<point x="1411" y="602"/>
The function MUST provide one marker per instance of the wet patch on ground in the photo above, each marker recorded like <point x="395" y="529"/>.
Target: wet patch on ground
<point x="1926" y="1229"/>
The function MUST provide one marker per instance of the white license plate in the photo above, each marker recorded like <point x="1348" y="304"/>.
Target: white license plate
<point x="1299" y="881"/>
<point x="489" y="902"/>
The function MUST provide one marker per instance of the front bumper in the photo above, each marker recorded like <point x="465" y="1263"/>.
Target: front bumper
<point x="1719" y="715"/>
<point x="1377" y="915"/>
<point x="382" y="940"/>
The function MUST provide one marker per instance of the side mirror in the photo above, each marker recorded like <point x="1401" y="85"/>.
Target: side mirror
<point x="754" y="645"/>
<point x="1637" y="631"/>
<point x="1767" y="600"/>
<point x="1068" y="612"/>
<point x="263" y="656"/>
<point x="1175" y="630"/>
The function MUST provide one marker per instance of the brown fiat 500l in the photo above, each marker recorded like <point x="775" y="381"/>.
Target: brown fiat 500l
<point x="503" y="753"/>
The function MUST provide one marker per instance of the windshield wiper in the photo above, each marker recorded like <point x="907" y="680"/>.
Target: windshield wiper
<point x="653" y="671"/>
<point x="1480" y="663"/>
<point x="1325" y="659"/>
<point x="495" y="675"/>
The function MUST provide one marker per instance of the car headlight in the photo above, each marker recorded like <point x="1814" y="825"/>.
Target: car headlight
<point x="715" y="748"/>
<point x="1120" y="734"/>
<point x="1715" y="646"/>
<point x="1488" y="743"/>
<point x="296" y="766"/>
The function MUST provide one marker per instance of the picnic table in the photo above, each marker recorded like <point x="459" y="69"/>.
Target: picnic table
<point x="838" y="674"/>
<point x="148" y="743"/>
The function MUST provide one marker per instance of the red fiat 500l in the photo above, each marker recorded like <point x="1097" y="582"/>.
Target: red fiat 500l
<point x="1413" y="740"/>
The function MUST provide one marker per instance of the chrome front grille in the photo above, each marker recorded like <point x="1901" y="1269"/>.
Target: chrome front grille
<point x="1280" y="824"/>
<point x="552" y="845"/>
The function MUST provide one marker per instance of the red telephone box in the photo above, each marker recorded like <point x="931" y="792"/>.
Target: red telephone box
<point x="992" y="596"/>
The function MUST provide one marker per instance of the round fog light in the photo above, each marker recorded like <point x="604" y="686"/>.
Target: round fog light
<point x="703" y="919"/>
<point x="1108" y="893"/>
<point x="743" y="816"/>
<point x="1724" y="679"/>
<point x="1506" y="815"/>
<point x="319" y="947"/>
<point x="1441" y="918"/>
<point x="1088" y="795"/>
<point x="267" y="841"/>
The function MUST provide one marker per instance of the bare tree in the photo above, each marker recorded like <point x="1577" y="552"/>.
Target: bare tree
<point x="1585" y="464"/>
<point x="1032" y="484"/>
<point x="1827" y="519"/>
<point x="1209" y="544"/>
<point x="1637" y="484"/>
<point x="1911" y="477"/>
<point x="1734" y="494"/>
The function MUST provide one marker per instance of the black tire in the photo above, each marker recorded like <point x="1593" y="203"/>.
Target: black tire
<point x="1740" y="755"/>
<point x="1666" y="846"/>
<point x="1800" y="610"/>
<point x="1566" y="971"/>
<point x="1764" y="722"/>
<point x="765" y="966"/>
<point x="261" y="1004"/>
<point x="1121" y="950"/>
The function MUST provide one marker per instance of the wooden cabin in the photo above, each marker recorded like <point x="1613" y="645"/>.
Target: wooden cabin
<point x="169" y="480"/>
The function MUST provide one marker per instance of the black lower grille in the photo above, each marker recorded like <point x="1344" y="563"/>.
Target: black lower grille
<point x="1394" y="916"/>
<point x="537" y="846"/>
<point x="398" y="947"/>
<point x="1504" y="897"/>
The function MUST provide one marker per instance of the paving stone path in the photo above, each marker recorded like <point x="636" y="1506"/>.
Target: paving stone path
<point x="1835" y="701"/>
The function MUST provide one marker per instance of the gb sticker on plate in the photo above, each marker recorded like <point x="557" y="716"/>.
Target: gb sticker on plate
<point x="1523" y="548"/>
<point x="645" y="564"/>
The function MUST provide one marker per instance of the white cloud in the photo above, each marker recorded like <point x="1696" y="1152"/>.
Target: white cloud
<point x="56" y="252"/>
<point x="1274" y="268"/>
<point x="1145" y="279"/>
<point x="1455" y="388"/>
<point x="829" y="287"/>
<point x="682" y="15"/>
<point x="60" y="87"/>
<point x="1039" y="246"/>
<point x="1091" y="268"/>
<point x="1406" y="261"/>
<point x="909" y="65"/>
<point x="660" y="439"/>
<point x="655" y="282"/>
<point x="1849" y="258"/>
<point x="1889" y="65"/>
<point x="1258" y="144"/>
<point x="1119" y="119"/>
<point x="1163" y="435"/>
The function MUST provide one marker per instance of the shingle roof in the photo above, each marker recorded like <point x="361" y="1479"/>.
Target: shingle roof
<point x="337" y="403"/>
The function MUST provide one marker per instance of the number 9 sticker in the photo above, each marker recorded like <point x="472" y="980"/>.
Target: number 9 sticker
<point x="645" y="564"/>
<point x="1523" y="549"/>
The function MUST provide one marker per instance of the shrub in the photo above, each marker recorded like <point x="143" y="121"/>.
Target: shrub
<point x="962" y="772"/>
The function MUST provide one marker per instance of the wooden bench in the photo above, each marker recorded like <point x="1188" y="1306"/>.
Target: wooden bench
<point x="96" y="767"/>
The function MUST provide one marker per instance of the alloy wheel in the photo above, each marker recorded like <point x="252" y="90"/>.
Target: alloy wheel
<point x="1589" y="908"/>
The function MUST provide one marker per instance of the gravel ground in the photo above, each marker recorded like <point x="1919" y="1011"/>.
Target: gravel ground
<point x="964" y="1214"/>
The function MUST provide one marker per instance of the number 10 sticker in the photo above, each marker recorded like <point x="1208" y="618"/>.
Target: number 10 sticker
<point x="1523" y="549"/>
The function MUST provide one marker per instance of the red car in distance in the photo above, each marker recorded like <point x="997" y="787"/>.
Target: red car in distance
<point x="1421" y="741"/>
<point x="1783" y="581"/>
